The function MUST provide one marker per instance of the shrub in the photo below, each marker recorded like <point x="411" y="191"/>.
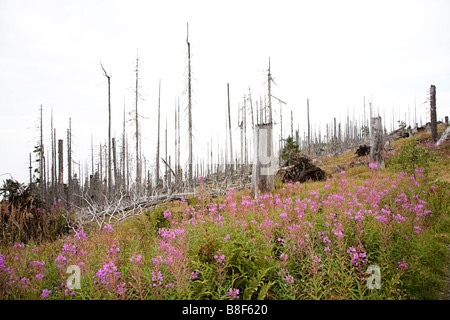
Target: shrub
<point x="411" y="157"/>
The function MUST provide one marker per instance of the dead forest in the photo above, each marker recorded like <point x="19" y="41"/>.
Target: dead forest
<point x="118" y="184"/>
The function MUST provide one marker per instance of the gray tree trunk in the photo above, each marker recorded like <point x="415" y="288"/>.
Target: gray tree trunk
<point x="376" y="143"/>
<point x="433" y="117"/>
<point x="263" y="160"/>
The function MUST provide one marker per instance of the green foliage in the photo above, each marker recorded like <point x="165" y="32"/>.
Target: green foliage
<point x="289" y="147"/>
<point x="251" y="271"/>
<point x="411" y="157"/>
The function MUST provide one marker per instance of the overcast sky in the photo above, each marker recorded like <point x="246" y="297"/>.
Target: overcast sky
<point x="332" y="52"/>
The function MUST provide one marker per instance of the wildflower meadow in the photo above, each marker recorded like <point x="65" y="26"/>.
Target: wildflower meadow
<point x="376" y="235"/>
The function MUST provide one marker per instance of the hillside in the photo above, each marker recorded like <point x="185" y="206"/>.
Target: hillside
<point x="315" y="240"/>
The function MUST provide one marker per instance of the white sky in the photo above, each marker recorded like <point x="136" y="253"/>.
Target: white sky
<point x="332" y="52"/>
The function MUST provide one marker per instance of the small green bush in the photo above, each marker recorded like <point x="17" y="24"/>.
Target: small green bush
<point x="411" y="157"/>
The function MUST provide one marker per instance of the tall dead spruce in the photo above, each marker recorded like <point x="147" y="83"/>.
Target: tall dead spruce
<point x="108" y="76"/>
<point x="189" y="107"/>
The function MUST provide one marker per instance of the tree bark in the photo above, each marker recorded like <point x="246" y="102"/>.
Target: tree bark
<point x="433" y="117"/>
<point x="377" y="143"/>
<point x="263" y="160"/>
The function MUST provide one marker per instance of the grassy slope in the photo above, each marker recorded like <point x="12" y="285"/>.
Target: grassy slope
<point x="137" y="234"/>
<point x="433" y="282"/>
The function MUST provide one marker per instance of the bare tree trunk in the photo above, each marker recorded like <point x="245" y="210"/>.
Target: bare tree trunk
<point x="41" y="160"/>
<point x="176" y="145"/>
<point x="229" y="127"/>
<point x="251" y="107"/>
<point x="179" y="171"/>
<point x="61" y="163"/>
<point x="376" y="143"/>
<point x="263" y="166"/>
<point x="165" y="158"/>
<point x="114" y="162"/>
<point x="269" y="81"/>
<point x="108" y="167"/>
<point x="158" y="142"/>
<point x="138" y="166"/>
<point x="69" y="162"/>
<point x="124" y="155"/>
<point x="101" y="165"/>
<point x="53" y="160"/>
<point x="189" y="107"/>
<point x="433" y="117"/>
<point x="309" y="126"/>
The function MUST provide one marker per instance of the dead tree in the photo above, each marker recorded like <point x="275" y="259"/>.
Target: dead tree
<point x="269" y="97"/>
<point x="229" y="127"/>
<point x="60" y="163"/>
<point x="158" y="142"/>
<point x="251" y="107"/>
<point x="433" y="117"/>
<point x="189" y="107"/>
<point x="41" y="159"/>
<point x="116" y="173"/>
<point x="124" y="155"/>
<point x="376" y="143"/>
<point x="263" y="160"/>
<point x="309" y="126"/>
<point x="138" y="165"/>
<point x="54" y="179"/>
<point x="69" y="161"/>
<point x="108" y="76"/>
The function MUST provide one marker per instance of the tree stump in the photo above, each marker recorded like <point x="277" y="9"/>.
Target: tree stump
<point x="263" y="160"/>
<point x="376" y="143"/>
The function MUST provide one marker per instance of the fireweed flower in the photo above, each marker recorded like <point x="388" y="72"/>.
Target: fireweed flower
<point x="289" y="278"/>
<point x="233" y="294"/>
<point x="402" y="266"/>
<point x="157" y="278"/>
<point x="220" y="258"/>
<point x="80" y="235"/>
<point x="45" y="293"/>
<point x="167" y="214"/>
<point x="136" y="259"/>
<point x="357" y="258"/>
<point x="373" y="166"/>
<point x="108" y="228"/>
<point x="60" y="261"/>
<point x="194" y="275"/>
<point x="106" y="273"/>
<point x="284" y="215"/>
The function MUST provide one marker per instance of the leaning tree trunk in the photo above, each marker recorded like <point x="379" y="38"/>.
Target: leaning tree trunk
<point x="376" y="143"/>
<point x="263" y="160"/>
